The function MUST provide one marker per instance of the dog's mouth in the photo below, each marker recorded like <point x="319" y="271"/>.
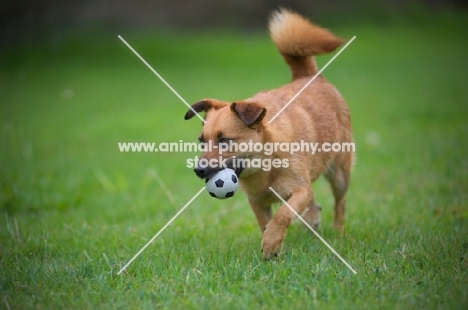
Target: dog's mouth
<point x="238" y="171"/>
<point x="208" y="172"/>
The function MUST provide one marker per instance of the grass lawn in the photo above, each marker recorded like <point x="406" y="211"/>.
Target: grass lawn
<point x="74" y="210"/>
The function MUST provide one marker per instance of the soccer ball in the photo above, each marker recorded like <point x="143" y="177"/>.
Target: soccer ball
<point x="223" y="184"/>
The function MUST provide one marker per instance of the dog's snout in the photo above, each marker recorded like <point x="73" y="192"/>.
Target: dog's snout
<point x="200" y="172"/>
<point x="206" y="172"/>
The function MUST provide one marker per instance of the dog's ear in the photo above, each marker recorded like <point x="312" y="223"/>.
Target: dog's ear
<point x="250" y="113"/>
<point x="200" y="106"/>
<point x="203" y="106"/>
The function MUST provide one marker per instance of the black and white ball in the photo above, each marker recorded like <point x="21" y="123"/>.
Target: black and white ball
<point x="223" y="184"/>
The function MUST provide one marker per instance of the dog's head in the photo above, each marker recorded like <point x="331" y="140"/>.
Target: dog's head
<point x="239" y="123"/>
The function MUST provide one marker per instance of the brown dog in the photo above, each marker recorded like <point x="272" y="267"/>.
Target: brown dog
<point x="319" y="114"/>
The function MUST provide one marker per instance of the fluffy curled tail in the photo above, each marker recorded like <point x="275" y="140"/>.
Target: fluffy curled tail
<point x="298" y="40"/>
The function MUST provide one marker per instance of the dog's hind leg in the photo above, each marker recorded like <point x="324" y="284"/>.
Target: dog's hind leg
<point x="338" y="174"/>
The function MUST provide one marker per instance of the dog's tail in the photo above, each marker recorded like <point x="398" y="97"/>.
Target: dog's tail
<point x="298" y="40"/>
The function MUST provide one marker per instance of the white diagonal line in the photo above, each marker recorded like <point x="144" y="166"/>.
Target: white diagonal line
<point x="311" y="80"/>
<point x="160" y="231"/>
<point x="313" y="230"/>
<point x="162" y="79"/>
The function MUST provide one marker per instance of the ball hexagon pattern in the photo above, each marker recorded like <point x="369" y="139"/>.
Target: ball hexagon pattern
<point x="223" y="184"/>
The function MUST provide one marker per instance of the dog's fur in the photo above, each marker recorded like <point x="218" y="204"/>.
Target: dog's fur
<point x="319" y="114"/>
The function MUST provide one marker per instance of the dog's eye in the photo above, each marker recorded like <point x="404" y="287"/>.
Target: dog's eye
<point x="224" y="140"/>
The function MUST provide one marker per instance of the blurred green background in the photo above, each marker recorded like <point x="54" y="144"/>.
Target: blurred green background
<point x="74" y="210"/>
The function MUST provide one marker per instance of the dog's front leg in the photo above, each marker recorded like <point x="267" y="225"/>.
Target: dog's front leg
<point x="275" y="231"/>
<point x="262" y="213"/>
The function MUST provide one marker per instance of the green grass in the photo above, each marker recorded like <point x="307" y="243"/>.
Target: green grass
<point x="73" y="210"/>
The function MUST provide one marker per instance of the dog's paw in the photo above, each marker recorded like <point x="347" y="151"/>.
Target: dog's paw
<point x="272" y="241"/>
